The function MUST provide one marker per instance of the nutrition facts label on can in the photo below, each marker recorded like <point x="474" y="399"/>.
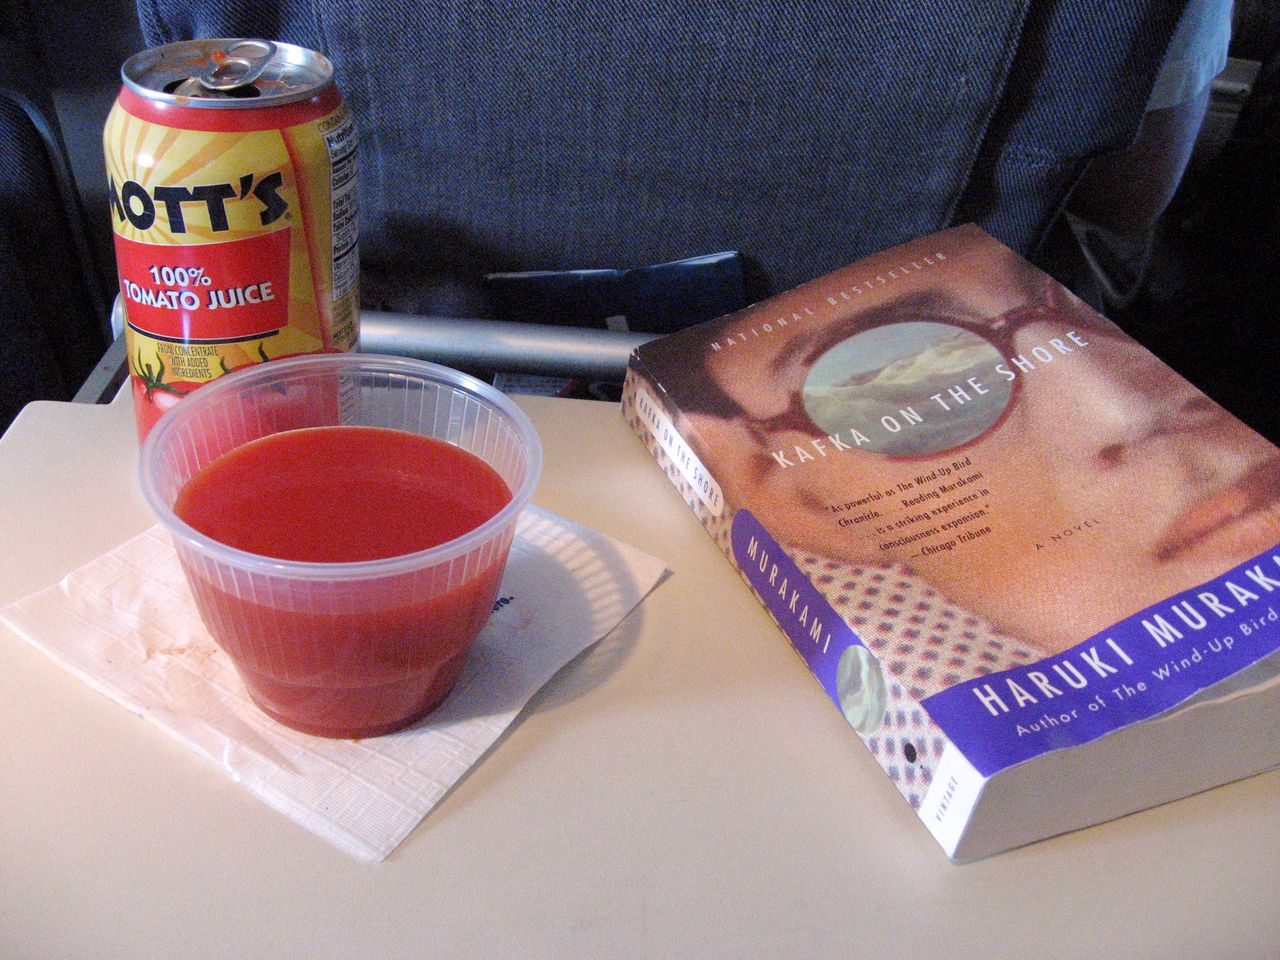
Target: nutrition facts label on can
<point x="341" y="143"/>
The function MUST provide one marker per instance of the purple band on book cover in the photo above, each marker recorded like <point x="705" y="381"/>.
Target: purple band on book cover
<point x="809" y="621"/>
<point x="1133" y="671"/>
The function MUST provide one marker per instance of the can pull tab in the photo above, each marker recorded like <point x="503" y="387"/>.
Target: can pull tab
<point x="239" y="64"/>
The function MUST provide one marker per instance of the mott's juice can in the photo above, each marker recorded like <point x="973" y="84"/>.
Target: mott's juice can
<point x="232" y="169"/>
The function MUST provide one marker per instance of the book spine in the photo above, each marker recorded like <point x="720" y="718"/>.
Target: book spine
<point x="645" y="411"/>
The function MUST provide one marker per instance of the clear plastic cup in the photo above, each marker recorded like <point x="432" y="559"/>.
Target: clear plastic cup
<point x="344" y="649"/>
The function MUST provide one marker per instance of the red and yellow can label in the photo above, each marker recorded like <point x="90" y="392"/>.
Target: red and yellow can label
<point x="235" y="238"/>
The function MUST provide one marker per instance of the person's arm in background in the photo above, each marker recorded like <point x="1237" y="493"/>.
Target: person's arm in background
<point x="1127" y="191"/>
<point x="1121" y="195"/>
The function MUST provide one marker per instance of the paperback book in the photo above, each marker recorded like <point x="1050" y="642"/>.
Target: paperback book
<point x="1036" y="570"/>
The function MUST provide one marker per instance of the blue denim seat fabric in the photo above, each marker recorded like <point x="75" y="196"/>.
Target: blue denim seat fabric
<point x="500" y="136"/>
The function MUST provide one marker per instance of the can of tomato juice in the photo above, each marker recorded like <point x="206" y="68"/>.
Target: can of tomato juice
<point x="232" y="171"/>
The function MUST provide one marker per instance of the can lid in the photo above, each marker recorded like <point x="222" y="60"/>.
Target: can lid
<point x="227" y="73"/>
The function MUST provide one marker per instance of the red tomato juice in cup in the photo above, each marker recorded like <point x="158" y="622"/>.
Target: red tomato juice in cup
<point x="346" y="659"/>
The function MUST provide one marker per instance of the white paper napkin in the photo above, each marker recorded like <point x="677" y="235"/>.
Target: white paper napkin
<point x="126" y="624"/>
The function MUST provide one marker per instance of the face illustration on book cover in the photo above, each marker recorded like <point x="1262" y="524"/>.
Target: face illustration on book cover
<point x="954" y="412"/>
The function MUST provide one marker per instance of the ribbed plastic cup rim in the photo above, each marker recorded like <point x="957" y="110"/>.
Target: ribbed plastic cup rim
<point x="353" y="570"/>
